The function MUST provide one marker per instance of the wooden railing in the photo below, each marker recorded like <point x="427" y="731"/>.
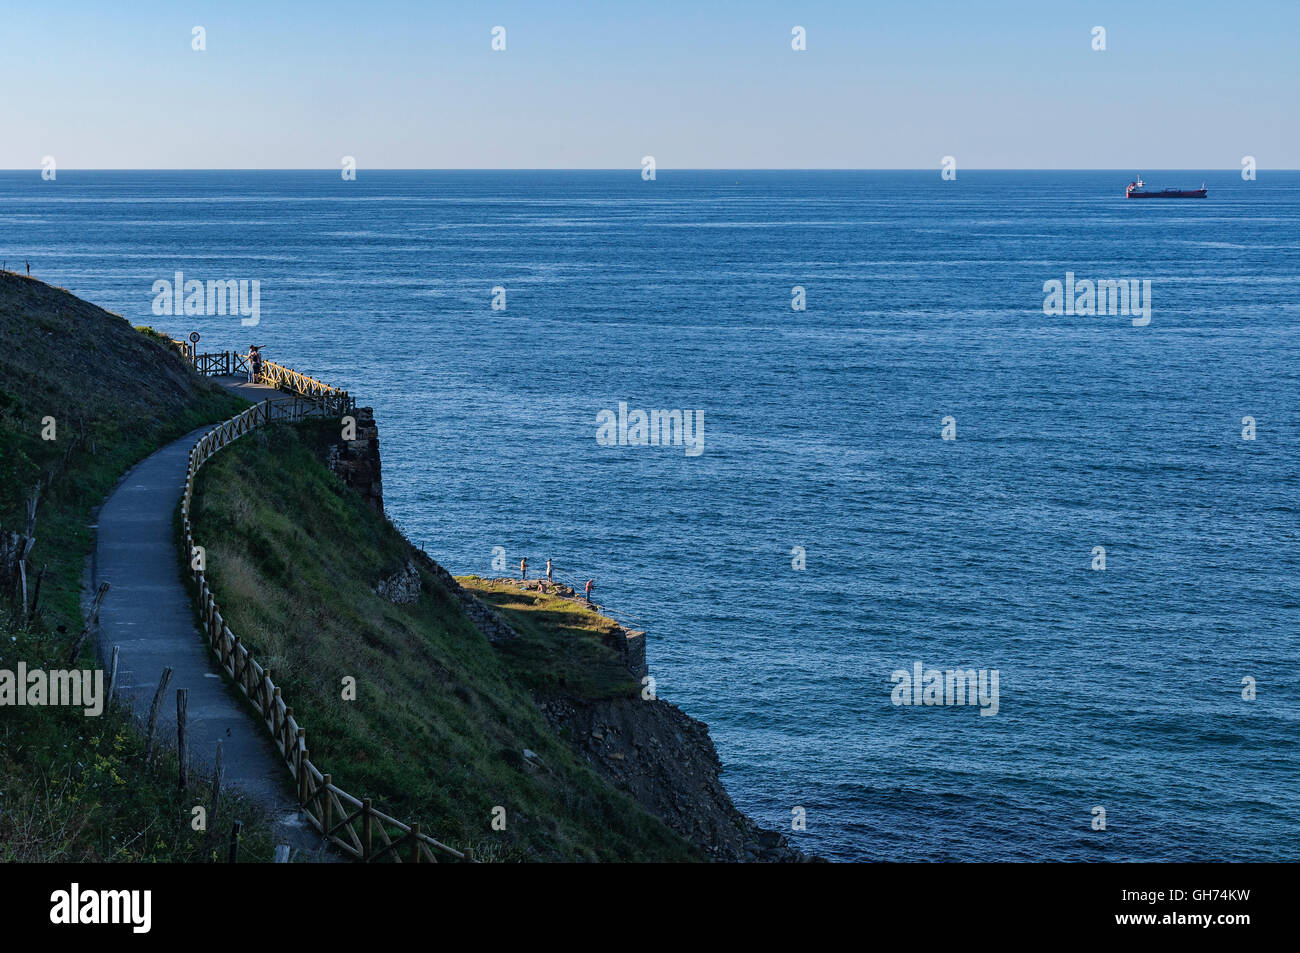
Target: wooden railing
<point x="287" y="379"/>
<point x="215" y="364"/>
<point x="351" y="824"/>
<point x="226" y="363"/>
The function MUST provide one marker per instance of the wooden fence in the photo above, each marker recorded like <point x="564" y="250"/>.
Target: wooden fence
<point x="351" y="824"/>
<point x="228" y="363"/>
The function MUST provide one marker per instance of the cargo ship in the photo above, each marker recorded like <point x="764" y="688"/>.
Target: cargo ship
<point x="1135" y="190"/>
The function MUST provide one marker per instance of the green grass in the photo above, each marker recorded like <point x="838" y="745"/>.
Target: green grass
<point x="441" y="719"/>
<point x="71" y="787"/>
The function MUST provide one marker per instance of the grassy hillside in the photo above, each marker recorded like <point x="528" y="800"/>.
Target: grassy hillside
<point x="72" y="787"/>
<point x="441" y="720"/>
<point x="116" y="394"/>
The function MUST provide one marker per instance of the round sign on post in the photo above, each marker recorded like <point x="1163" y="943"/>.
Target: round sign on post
<point x="194" y="337"/>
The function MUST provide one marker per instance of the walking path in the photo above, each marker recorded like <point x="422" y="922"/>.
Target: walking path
<point x="149" y="614"/>
<point x="250" y="392"/>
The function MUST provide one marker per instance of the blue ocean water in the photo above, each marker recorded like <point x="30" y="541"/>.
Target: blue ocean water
<point x="1119" y="688"/>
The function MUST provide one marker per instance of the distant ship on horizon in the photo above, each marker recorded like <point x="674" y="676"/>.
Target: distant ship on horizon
<point x="1135" y="190"/>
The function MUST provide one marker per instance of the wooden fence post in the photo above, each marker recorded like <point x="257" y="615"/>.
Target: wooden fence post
<point x="367" y="830"/>
<point x="36" y="596"/>
<point x="90" y="621"/>
<point x="216" y="786"/>
<point x="415" y="842"/>
<point x="285" y="741"/>
<point x="327" y="807"/>
<point x="112" y="678"/>
<point x="302" y="776"/>
<point x="182" y="711"/>
<point x="153" y="713"/>
<point x="234" y="841"/>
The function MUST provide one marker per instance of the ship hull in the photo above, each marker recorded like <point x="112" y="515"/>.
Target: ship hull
<point x="1170" y="194"/>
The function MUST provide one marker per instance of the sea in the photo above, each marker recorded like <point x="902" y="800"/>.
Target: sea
<point x="905" y="455"/>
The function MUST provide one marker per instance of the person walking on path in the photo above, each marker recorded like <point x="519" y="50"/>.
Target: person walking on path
<point x="590" y="582"/>
<point x="523" y="568"/>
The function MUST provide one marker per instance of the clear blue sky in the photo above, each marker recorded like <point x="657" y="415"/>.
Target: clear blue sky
<point x="1010" y="84"/>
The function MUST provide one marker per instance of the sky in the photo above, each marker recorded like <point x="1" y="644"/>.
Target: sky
<point x="900" y="85"/>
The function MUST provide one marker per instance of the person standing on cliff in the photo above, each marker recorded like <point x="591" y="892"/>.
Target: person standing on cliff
<point x="254" y="363"/>
<point x="548" y="571"/>
<point x="590" y="582"/>
<point x="523" y="568"/>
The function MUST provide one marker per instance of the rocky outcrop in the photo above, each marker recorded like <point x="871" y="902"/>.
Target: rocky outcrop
<point x="402" y="587"/>
<point x="356" y="461"/>
<point x="666" y="760"/>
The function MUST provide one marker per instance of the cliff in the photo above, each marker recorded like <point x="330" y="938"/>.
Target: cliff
<point x="645" y="746"/>
<point x="666" y="760"/>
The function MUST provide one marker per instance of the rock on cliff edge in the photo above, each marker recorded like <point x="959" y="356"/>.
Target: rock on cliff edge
<point x="666" y="760"/>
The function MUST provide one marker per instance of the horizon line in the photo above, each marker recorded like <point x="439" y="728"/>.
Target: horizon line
<point x="637" y="169"/>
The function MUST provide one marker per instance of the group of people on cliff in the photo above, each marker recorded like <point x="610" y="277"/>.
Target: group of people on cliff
<point x="548" y="583"/>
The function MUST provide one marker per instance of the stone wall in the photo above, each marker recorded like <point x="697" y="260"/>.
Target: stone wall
<point x="632" y="650"/>
<point x="357" y="461"/>
<point x="403" y="587"/>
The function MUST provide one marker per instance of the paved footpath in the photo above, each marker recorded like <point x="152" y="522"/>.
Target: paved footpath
<point x="149" y="614"/>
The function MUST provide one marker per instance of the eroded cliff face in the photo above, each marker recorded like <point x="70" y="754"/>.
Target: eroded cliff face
<point x="666" y="760"/>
